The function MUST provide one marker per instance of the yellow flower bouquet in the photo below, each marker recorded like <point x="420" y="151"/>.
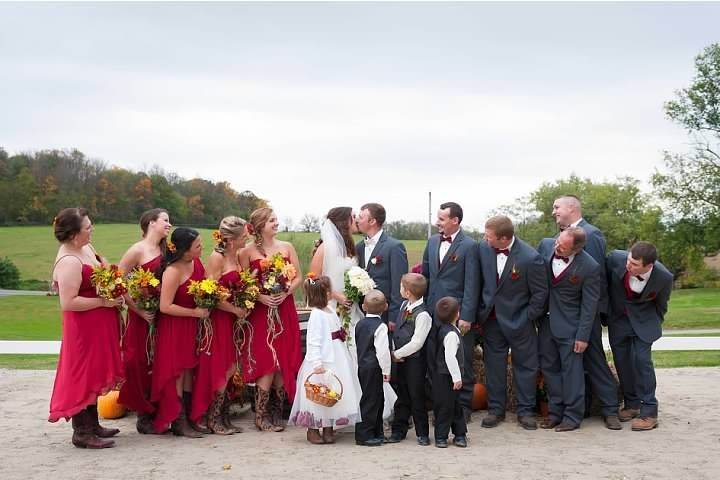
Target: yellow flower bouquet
<point x="206" y="293"/>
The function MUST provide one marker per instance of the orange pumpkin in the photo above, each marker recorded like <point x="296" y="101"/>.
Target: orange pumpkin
<point x="109" y="407"/>
<point x="479" y="398"/>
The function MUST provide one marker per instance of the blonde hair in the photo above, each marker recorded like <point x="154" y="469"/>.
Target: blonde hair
<point x="414" y="283"/>
<point x="258" y="219"/>
<point x="231" y="227"/>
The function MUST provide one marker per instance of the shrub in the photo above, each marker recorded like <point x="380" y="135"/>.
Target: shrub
<point x="9" y="274"/>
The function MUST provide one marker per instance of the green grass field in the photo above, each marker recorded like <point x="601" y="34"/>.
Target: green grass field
<point x="694" y="308"/>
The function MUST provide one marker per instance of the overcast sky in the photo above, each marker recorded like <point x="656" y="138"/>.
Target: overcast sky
<point x="317" y="105"/>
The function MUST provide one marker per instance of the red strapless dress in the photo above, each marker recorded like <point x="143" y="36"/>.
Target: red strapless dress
<point x="210" y="376"/>
<point x="135" y="392"/>
<point x="89" y="363"/>
<point x="175" y="352"/>
<point x="286" y="345"/>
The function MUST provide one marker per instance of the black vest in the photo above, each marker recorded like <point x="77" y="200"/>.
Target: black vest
<point x="365" y="342"/>
<point x="440" y="364"/>
<point x="405" y="329"/>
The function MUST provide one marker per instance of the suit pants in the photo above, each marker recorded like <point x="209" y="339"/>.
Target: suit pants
<point x="446" y="408"/>
<point x="411" y="396"/>
<point x="524" y="345"/>
<point x="371" y="405"/>
<point x="633" y="360"/>
<point x="564" y="378"/>
<point x="599" y="381"/>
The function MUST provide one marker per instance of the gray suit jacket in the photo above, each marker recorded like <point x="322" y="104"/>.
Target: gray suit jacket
<point x="574" y="296"/>
<point x="386" y="265"/>
<point x="458" y="276"/>
<point x="520" y="295"/>
<point x="646" y="312"/>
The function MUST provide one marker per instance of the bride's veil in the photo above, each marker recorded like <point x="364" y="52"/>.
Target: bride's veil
<point x="334" y="255"/>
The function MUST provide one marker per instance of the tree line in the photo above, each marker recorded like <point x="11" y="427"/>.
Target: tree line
<point x="35" y="186"/>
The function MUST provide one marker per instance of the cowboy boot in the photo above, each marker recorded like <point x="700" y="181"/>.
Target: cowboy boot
<point x="144" y="423"/>
<point x="97" y="429"/>
<point x="314" y="437"/>
<point x="277" y="403"/>
<point x="225" y="409"/>
<point x="187" y="400"/>
<point x="83" y="432"/>
<point x="214" y="416"/>
<point x="328" y="435"/>
<point x="181" y="426"/>
<point x="262" y="417"/>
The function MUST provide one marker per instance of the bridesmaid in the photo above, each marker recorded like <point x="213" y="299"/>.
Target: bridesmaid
<point x="148" y="254"/>
<point x="89" y="364"/>
<point x="215" y="370"/>
<point x="176" y="354"/>
<point x="265" y="372"/>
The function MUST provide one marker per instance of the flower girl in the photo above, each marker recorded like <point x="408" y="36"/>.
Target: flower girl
<point x="328" y="389"/>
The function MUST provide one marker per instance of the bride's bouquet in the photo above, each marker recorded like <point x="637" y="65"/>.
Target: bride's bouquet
<point x="207" y="294"/>
<point x="357" y="284"/>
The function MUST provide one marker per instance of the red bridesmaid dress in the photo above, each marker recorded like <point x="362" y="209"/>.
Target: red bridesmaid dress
<point x="89" y="364"/>
<point x="175" y="352"/>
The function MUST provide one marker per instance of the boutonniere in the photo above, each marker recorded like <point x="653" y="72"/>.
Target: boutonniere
<point x="453" y="258"/>
<point x="514" y="273"/>
<point x="376" y="260"/>
<point x="574" y="279"/>
<point x="408" y="316"/>
<point x="652" y="295"/>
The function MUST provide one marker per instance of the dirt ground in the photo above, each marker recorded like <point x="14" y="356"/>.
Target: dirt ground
<point x="685" y="446"/>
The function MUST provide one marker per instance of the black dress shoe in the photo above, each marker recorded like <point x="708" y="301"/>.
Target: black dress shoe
<point x="424" y="441"/>
<point x="492" y="420"/>
<point x="394" y="438"/>
<point x="460" y="441"/>
<point x="566" y="427"/>
<point x="612" y="422"/>
<point x="371" y="442"/>
<point x="549" y="423"/>
<point x="528" y="422"/>
<point x="441" y="443"/>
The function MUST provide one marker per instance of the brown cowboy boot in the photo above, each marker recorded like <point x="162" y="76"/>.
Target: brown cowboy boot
<point x="187" y="401"/>
<point x="314" y="437"/>
<point x="83" y="433"/>
<point x="225" y="409"/>
<point x="277" y="403"/>
<point x="181" y="426"/>
<point x="214" y="416"/>
<point x="328" y="435"/>
<point x="98" y="430"/>
<point x="262" y="416"/>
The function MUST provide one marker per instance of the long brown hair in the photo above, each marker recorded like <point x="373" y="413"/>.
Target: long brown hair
<point x="151" y="216"/>
<point x="340" y="217"/>
<point x="258" y="219"/>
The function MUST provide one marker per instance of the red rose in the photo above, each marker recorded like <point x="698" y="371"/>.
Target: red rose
<point x="574" y="279"/>
<point x="453" y="258"/>
<point x="376" y="260"/>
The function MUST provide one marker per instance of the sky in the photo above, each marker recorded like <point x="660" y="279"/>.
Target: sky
<point x="316" y="105"/>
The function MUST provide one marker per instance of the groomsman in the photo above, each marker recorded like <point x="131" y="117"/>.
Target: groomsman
<point x="563" y="336"/>
<point x="639" y="289"/>
<point x="383" y="256"/>
<point x="567" y="211"/>
<point x="451" y="266"/>
<point x="514" y="293"/>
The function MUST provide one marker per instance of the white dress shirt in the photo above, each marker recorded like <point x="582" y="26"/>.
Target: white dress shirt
<point x="637" y="285"/>
<point x="501" y="258"/>
<point x="575" y="223"/>
<point x="370" y="243"/>
<point x="382" y="346"/>
<point x="559" y="265"/>
<point x="451" y="342"/>
<point x="423" y="322"/>
<point x="445" y="246"/>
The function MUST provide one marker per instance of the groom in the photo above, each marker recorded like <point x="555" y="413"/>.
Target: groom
<point x="383" y="256"/>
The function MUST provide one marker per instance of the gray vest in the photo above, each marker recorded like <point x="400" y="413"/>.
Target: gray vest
<point x="440" y="365"/>
<point x="405" y="329"/>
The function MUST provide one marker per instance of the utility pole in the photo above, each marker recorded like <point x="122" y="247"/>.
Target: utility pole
<point x="429" y="232"/>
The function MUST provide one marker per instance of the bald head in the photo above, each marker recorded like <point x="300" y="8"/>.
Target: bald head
<point x="566" y="210"/>
<point x="375" y="302"/>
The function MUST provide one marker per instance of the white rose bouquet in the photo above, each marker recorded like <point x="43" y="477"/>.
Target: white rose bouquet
<point x="357" y="284"/>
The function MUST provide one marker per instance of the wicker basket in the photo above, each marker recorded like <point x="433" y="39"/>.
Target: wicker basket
<point x="318" y="392"/>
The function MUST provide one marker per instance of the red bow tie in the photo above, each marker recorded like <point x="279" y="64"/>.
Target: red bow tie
<point x="443" y="238"/>
<point x="504" y="251"/>
<point x="564" y="259"/>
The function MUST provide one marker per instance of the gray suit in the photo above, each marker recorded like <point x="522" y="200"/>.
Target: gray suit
<point x="389" y="265"/>
<point x="457" y="276"/>
<point x="599" y="380"/>
<point x="634" y="323"/>
<point x="572" y="308"/>
<point x="510" y="306"/>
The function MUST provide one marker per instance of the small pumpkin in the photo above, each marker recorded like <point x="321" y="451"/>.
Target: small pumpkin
<point x="479" y="398"/>
<point x="109" y="407"/>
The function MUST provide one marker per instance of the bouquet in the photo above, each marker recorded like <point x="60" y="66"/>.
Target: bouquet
<point x="144" y="289"/>
<point x="243" y="294"/>
<point x="110" y="284"/>
<point x="357" y="284"/>
<point x="207" y="294"/>
<point x="275" y="275"/>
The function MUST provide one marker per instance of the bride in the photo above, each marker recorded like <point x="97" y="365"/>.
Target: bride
<point x="336" y="255"/>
